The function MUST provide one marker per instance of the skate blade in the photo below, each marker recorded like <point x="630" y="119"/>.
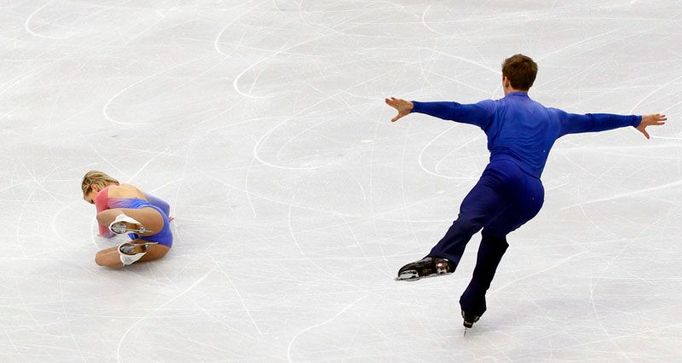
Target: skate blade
<point x="124" y="227"/>
<point x="409" y="275"/>
<point x="132" y="249"/>
<point x="412" y="275"/>
<point x="469" y="324"/>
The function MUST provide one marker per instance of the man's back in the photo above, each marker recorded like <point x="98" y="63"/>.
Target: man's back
<point x="523" y="130"/>
<point x="520" y="129"/>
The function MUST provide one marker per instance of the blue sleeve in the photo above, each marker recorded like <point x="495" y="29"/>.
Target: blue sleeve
<point x="479" y="114"/>
<point x="571" y="123"/>
<point x="165" y="207"/>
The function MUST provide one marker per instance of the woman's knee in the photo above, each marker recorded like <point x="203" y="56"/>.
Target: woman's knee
<point x="99" y="259"/>
<point x="106" y="258"/>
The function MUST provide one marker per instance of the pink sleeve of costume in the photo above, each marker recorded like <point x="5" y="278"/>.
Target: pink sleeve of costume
<point x="101" y="204"/>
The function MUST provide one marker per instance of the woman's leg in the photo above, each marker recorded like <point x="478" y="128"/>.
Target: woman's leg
<point x="149" y="217"/>
<point x="110" y="257"/>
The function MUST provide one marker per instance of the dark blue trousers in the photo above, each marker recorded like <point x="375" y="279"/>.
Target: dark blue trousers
<point x="504" y="199"/>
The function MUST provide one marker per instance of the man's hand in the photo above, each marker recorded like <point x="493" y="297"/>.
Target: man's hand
<point x="651" y="120"/>
<point x="404" y="107"/>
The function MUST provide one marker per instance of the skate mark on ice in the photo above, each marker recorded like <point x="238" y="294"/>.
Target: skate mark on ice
<point x="146" y="164"/>
<point x="53" y="221"/>
<point x="125" y="334"/>
<point x="239" y="295"/>
<point x="308" y="259"/>
<point x="216" y="41"/>
<point x="426" y="25"/>
<point x="559" y="263"/>
<point x="625" y="195"/>
<point x="145" y="79"/>
<point x="420" y="159"/>
<point x="65" y="312"/>
<point x="293" y="340"/>
<point x="27" y="24"/>
<point x="582" y="41"/>
<point x="284" y="49"/>
<point x="405" y="209"/>
<point x="23" y="77"/>
<point x="666" y="137"/>
<point x="246" y="187"/>
<point x="266" y="136"/>
<point x="328" y="211"/>
<point x="291" y="228"/>
<point x="463" y="59"/>
<point x="611" y="339"/>
<point x="663" y="86"/>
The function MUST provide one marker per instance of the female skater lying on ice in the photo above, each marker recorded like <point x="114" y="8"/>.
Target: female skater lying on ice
<point x="122" y="208"/>
<point x="520" y="134"/>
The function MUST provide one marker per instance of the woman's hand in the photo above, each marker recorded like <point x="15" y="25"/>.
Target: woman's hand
<point x="402" y="106"/>
<point x="655" y="119"/>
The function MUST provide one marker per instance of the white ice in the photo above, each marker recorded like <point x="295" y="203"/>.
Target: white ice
<point x="263" y="124"/>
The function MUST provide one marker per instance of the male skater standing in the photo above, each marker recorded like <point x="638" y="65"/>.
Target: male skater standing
<point x="520" y="134"/>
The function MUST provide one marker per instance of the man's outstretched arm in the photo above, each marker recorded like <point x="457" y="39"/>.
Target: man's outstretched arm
<point x="594" y="122"/>
<point x="478" y="114"/>
<point x="655" y="119"/>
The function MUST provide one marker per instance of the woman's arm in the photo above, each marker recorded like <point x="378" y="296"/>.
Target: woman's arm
<point x="102" y="204"/>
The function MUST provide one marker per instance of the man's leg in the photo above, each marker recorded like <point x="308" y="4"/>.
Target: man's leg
<point x="527" y="204"/>
<point x="490" y="252"/>
<point x="483" y="203"/>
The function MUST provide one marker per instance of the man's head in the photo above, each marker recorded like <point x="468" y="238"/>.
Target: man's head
<point x="518" y="73"/>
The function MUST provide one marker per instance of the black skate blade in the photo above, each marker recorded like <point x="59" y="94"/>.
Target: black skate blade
<point x="412" y="275"/>
<point x="409" y="275"/>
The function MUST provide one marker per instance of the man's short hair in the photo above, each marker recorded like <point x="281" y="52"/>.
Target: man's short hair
<point x="520" y="70"/>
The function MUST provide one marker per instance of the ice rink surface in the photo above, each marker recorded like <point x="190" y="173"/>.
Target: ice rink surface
<point x="296" y="200"/>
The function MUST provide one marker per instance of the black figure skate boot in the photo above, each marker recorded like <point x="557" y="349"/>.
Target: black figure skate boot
<point x="426" y="267"/>
<point x="469" y="319"/>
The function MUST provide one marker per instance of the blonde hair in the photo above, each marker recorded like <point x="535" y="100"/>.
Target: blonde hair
<point x="98" y="178"/>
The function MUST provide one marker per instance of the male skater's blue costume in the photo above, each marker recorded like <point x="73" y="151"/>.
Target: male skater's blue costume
<point x="520" y="133"/>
